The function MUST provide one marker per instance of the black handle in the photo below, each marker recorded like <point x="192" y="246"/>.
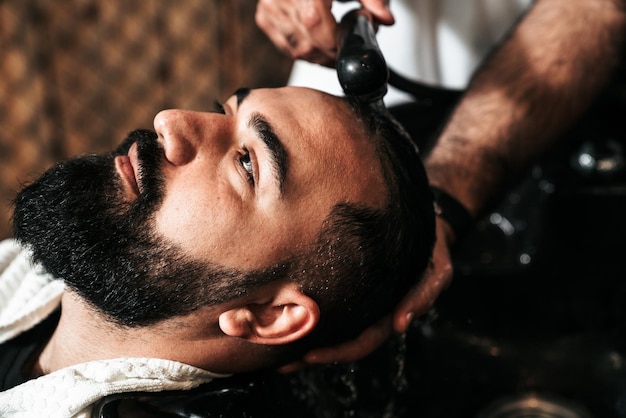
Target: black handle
<point x="361" y="67"/>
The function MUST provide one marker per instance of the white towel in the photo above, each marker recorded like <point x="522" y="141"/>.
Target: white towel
<point x="73" y="391"/>
<point x="27" y="293"/>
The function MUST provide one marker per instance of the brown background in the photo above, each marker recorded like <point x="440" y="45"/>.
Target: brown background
<point x="77" y="75"/>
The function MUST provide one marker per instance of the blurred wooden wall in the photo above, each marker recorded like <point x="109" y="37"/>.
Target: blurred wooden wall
<point x="77" y="75"/>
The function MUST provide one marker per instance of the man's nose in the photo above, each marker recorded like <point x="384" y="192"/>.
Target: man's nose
<point x="183" y="133"/>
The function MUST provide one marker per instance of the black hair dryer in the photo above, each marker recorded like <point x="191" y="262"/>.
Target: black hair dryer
<point x="361" y="67"/>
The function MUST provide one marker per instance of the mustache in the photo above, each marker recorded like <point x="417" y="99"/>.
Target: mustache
<point x="150" y="155"/>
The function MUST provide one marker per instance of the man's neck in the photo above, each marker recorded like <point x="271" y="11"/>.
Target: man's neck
<point x="84" y="334"/>
<point x="81" y="335"/>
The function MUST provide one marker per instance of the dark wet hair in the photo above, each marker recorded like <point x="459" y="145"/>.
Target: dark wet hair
<point x="367" y="259"/>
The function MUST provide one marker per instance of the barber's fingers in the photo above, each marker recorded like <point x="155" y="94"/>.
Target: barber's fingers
<point x="292" y="367"/>
<point x="380" y="10"/>
<point x="275" y="18"/>
<point x="353" y="350"/>
<point x="303" y="29"/>
<point x="438" y="277"/>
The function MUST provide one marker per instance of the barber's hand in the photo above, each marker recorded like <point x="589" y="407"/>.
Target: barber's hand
<point x="306" y="29"/>
<point x="417" y="302"/>
<point x="436" y="279"/>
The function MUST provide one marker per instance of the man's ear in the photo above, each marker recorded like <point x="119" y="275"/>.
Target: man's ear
<point x="283" y="316"/>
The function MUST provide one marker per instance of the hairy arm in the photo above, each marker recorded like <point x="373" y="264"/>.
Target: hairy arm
<point x="532" y="87"/>
<point x="529" y="90"/>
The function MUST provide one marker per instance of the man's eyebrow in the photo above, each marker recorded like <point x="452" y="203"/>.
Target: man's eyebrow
<point x="277" y="152"/>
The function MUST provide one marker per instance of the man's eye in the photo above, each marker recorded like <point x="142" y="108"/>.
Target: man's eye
<point x="246" y="163"/>
<point x="218" y="107"/>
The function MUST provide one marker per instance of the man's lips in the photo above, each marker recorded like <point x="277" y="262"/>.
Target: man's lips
<point x="126" y="167"/>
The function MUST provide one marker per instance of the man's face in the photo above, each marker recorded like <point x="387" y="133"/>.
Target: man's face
<point x="194" y="211"/>
<point x="251" y="186"/>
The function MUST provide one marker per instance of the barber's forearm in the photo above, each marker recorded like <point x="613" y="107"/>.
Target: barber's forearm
<point x="544" y="75"/>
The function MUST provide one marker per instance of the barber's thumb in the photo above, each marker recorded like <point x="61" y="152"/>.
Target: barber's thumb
<point x="381" y="11"/>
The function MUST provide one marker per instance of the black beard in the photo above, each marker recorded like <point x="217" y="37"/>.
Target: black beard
<point x="75" y="222"/>
<point x="77" y="225"/>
